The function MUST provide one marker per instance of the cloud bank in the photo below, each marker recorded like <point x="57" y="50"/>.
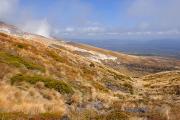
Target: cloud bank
<point x="154" y="14"/>
<point x="83" y="19"/>
<point x="40" y="27"/>
<point x="9" y="12"/>
<point x="7" y="8"/>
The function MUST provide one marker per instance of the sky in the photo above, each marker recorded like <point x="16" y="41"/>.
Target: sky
<point x="95" y="19"/>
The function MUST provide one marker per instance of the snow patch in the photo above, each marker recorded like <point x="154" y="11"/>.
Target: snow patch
<point x="93" y="55"/>
<point x="5" y="30"/>
<point x="97" y="57"/>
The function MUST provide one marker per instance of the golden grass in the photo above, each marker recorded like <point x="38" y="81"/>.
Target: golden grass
<point x="13" y="99"/>
<point x="86" y="81"/>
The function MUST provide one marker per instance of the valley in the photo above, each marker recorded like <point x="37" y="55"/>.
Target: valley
<point x="50" y="79"/>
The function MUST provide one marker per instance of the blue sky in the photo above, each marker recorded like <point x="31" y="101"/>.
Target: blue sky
<point x="97" y="19"/>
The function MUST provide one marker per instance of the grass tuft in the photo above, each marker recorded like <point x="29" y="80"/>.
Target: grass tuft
<point x="129" y="87"/>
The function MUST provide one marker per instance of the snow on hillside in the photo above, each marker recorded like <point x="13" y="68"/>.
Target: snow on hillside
<point x="5" y="30"/>
<point x="92" y="55"/>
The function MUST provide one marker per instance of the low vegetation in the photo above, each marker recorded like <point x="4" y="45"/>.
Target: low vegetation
<point x="54" y="80"/>
<point x="21" y="46"/>
<point x="22" y="116"/>
<point x="50" y="83"/>
<point x="55" y="56"/>
<point x="18" y="61"/>
<point x="115" y="85"/>
<point x="117" y="115"/>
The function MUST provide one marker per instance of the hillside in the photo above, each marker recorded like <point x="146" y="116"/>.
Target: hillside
<point x="132" y="65"/>
<point x="44" y="78"/>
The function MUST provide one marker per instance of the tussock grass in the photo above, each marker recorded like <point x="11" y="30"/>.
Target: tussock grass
<point x="100" y="87"/>
<point x="18" y="62"/>
<point x="55" y="56"/>
<point x="57" y="85"/>
<point x="115" y="85"/>
<point x="13" y="116"/>
<point x="129" y="87"/>
<point x="22" y="116"/>
<point x="90" y="114"/>
<point x="117" y="115"/>
<point x="15" y="100"/>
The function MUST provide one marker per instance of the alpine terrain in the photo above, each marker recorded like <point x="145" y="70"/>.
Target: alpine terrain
<point x="50" y="79"/>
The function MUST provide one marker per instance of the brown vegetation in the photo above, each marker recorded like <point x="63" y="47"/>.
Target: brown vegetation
<point x="43" y="79"/>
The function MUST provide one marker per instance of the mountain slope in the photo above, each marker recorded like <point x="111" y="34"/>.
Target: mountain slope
<point x="37" y="69"/>
<point x="132" y="65"/>
<point x="43" y="78"/>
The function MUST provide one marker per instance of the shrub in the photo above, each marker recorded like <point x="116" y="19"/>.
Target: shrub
<point x="58" y="85"/>
<point x="10" y="59"/>
<point x="18" y="61"/>
<point x="21" y="46"/>
<point x="92" y="65"/>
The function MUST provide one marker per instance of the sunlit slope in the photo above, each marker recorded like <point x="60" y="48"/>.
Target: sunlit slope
<point x="44" y="78"/>
<point x="38" y="74"/>
<point x="129" y="64"/>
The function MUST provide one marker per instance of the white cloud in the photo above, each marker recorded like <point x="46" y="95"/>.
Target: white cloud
<point x="78" y="18"/>
<point x="69" y="29"/>
<point x="144" y="25"/>
<point x="92" y="29"/>
<point x="7" y="7"/>
<point x="23" y="18"/>
<point x="86" y="30"/>
<point x="158" y="14"/>
<point x="40" y="27"/>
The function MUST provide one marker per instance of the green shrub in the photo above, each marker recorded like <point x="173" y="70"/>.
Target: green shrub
<point x="18" y="62"/>
<point x="58" y="85"/>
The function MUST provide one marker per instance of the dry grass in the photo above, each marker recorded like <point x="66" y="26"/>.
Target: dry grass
<point x="36" y="90"/>
<point x="31" y="101"/>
